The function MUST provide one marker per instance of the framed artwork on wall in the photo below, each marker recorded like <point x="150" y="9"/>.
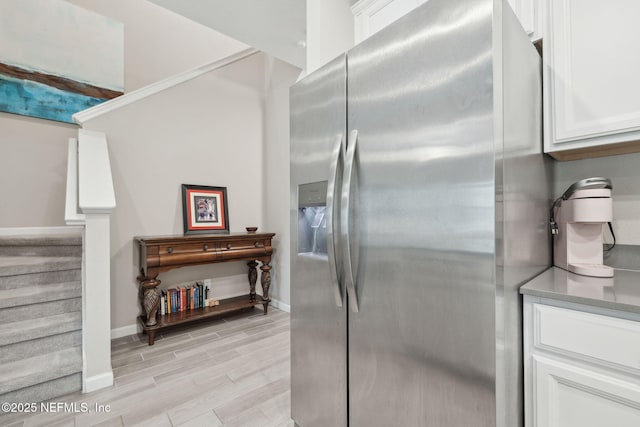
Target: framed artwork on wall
<point x="204" y="209"/>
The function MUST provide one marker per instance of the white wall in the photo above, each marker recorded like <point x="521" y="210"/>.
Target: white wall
<point x="145" y="148"/>
<point x="33" y="152"/>
<point x="33" y="170"/>
<point x="624" y="172"/>
<point x="98" y="42"/>
<point x="276" y="173"/>
<point x="206" y="131"/>
<point x="276" y="27"/>
<point x="159" y="43"/>
<point x="329" y="31"/>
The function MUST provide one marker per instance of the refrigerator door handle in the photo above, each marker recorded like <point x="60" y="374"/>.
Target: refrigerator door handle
<point x="337" y="159"/>
<point x="346" y="207"/>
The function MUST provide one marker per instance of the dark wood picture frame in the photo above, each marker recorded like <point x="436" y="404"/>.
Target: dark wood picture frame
<point x="204" y="209"/>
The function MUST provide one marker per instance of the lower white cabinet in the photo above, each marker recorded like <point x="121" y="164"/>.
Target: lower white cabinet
<point x="567" y="395"/>
<point x="582" y="369"/>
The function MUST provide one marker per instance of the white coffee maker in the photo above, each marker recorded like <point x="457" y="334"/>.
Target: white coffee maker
<point x="577" y="219"/>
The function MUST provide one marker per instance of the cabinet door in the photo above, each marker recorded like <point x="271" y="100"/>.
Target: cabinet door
<point x="572" y="396"/>
<point x="528" y="13"/>
<point x="591" y="84"/>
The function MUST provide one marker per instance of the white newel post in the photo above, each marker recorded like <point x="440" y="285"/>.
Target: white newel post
<point x="96" y="200"/>
<point x="96" y="305"/>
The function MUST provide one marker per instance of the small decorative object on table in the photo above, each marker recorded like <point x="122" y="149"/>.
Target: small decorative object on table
<point x="204" y="209"/>
<point x="251" y="229"/>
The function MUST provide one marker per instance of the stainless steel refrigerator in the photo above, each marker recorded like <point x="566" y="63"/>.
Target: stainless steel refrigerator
<point x="419" y="200"/>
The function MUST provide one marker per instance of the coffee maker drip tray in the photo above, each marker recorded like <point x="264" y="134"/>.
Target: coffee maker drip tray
<point x="593" y="270"/>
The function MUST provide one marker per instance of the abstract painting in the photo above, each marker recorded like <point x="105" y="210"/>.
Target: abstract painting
<point x="57" y="58"/>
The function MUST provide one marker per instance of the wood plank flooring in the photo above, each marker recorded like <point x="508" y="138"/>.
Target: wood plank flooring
<point x="233" y="372"/>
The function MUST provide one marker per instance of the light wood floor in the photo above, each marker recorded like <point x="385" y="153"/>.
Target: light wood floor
<point x="229" y="372"/>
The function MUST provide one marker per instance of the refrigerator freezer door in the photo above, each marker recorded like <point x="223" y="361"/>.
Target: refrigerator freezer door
<point x="422" y="345"/>
<point x="318" y="316"/>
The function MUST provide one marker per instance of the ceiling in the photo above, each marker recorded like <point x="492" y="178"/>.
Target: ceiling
<point x="277" y="27"/>
<point x="160" y="43"/>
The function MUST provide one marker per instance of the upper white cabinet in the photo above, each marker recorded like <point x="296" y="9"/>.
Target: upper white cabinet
<point x="529" y="13"/>
<point x="370" y="16"/>
<point x="591" y="77"/>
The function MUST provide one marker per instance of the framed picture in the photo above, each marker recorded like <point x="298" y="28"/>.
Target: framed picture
<point x="204" y="209"/>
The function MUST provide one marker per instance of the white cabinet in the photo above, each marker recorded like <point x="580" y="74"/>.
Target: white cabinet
<point x="370" y="16"/>
<point x="529" y="14"/>
<point x="591" y="77"/>
<point x="582" y="369"/>
<point x="569" y="396"/>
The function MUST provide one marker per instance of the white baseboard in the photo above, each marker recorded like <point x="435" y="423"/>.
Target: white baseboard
<point x="97" y="382"/>
<point x="280" y="305"/>
<point x="132" y="329"/>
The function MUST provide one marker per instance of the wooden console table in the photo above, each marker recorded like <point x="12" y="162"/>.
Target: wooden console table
<point x="164" y="253"/>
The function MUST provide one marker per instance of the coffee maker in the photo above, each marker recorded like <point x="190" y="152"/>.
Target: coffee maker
<point x="577" y="219"/>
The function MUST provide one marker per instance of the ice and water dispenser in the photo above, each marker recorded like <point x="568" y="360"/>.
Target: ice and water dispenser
<point x="312" y="222"/>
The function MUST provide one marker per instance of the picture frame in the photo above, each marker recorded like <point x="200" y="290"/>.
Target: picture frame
<point x="204" y="209"/>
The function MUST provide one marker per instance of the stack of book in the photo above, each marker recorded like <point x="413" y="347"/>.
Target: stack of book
<point x="183" y="298"/>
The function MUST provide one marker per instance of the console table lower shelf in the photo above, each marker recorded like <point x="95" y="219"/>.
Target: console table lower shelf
<point x="227" y="307"/>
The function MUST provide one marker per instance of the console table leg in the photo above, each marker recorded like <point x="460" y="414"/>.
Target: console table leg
<point x="253" y="278"/>
<point x="151" y="304"/>
<point x="150" y="298"/>
<point x="265" y="281"/>
<point x="152" y="337"/>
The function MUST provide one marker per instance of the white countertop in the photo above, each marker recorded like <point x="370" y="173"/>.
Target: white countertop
<point x="621" y="292"/>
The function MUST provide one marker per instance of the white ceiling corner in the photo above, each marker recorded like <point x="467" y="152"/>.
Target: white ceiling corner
<point x="277" y="27"/>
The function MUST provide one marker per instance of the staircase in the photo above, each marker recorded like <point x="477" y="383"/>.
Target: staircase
<point x="40" y="316"/>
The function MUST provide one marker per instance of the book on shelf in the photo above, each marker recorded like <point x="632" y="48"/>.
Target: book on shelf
<point x="202" y="291"/>
<point x="183" y="298"/>
<point x="163" y="302"/>
<point x="198" y="287"/>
